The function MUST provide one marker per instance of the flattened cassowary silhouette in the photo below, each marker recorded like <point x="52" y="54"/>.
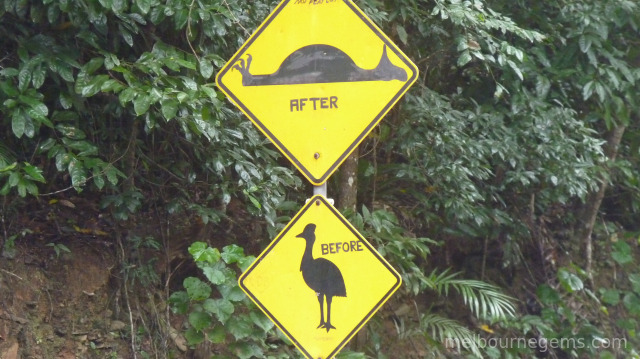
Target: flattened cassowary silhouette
<point x="320" y="64"/>
<point x="321" y="275"/>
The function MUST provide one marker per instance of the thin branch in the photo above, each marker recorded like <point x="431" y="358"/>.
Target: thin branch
<point x="126" y="297"/>
<point x="92" y="176"/>
<point x="235" y="19"/>
<point x="188" y="34"/>
<point x="13" y="274"/>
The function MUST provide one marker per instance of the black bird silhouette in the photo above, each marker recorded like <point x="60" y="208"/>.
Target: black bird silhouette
<point x="320" y="64"/>
<point x="321" y="275"/>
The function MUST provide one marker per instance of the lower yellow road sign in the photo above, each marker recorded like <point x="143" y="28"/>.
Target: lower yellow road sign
<point x="319" y="281"/>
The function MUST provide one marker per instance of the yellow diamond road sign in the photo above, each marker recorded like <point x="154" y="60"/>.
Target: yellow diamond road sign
<point x="316" y="77"/>
<point x="319" y="281"/>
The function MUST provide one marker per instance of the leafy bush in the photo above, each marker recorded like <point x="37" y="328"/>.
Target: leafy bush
<point x="218" y="310"/>
<point x="93" y="99"/>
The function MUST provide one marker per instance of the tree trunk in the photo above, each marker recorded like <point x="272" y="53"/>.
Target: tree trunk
<point x="592" y="206"/>
<point x="348" y="182"/>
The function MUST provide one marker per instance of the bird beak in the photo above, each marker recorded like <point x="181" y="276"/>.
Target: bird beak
<point x="301" y="235"/>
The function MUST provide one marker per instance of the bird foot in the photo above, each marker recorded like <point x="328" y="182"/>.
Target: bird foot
<point x="243" y="66"/>
<point x="328" y="326"/>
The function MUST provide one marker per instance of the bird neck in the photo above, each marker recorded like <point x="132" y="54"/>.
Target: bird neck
<point x="307" y="257"/>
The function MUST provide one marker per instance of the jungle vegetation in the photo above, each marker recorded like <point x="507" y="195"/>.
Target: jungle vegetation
<point x="504" y="186"/>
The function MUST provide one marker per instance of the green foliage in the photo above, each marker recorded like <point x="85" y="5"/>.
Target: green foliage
<point x="571" y="313"/>
<point x="478" y="140"/>
<point x="219" y="312"/>
<point x="23" y="178"/>
<point x="508" y="125"/>
<point x="140" y="271"/>
<point x="486" y="301"/>
<point x="621" y="253"/>
<point x="621" y="298"/>
<point x="404" y="252"/>
<point x="94" y="93"/>
<point x="501" y="117"/>
<point x="559" y="323"/>
<point x="449" y="332"/>
<point x="9" y="244"/>
<point x="59" y="248"/>
<point x="115" y="98"/>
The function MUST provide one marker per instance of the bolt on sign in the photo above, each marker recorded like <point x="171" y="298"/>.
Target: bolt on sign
<point x="319" y="281"/>
<point x="316" y="77"/>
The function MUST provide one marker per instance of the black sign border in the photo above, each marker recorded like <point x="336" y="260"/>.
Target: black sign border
<point x="390" y="45"/>
<point x="316" y="200"/>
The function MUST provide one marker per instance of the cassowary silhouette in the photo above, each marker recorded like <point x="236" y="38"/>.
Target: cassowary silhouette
<point x="320" y="64"/>
<point x="321" y="275"/>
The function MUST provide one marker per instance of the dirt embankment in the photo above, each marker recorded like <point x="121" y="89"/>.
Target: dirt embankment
<point x="59" y="306"/>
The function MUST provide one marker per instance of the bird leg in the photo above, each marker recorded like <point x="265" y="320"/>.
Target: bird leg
<point x="321" y="300"/>
<point x="327" y="324"/>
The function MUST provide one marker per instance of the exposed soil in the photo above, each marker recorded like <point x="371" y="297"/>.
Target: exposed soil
<point x="61" y="281"/>
<point x="75" y="285"/>
<point x="59" y="307"/>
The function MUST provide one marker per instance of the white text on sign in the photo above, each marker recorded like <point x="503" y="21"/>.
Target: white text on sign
<point x="317" y="102"/>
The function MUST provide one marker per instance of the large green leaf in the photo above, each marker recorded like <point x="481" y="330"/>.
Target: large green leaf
<point x="240" y="327"/>
<point x="221" y="308"/>
<point x="141" y="104"/>
<point x="169" y="108"/>
<point x="232" y="253"/>
<point x="34" y="173"/>
<point x="206" y="68"/>
<point x="40" y="109"/>
<point x="19" y="122"/>
<point x="144" y="5"/>
<point x="78" y="173"/>
<point x="199" y="320"/>
<point x="196" y="289"/>
<point x="621" y="252"/>
<point x="569" y="281"/>
<point x="215" y="276"/>
<point x="201" y="252"/>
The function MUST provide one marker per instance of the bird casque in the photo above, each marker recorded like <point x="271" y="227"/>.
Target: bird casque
<point x="321" y="275"/>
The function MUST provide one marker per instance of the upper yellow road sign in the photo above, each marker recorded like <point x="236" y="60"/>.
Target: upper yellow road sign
<point x="316" y="77"/>
<point x="319" y="281"/>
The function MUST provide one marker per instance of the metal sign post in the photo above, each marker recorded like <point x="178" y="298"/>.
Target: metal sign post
<point x="320" y="190"/>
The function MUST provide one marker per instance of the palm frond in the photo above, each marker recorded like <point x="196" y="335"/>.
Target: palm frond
<point x="6" y="156"/>
<point x="483" y="299"/>
<point x="450" y="333"/>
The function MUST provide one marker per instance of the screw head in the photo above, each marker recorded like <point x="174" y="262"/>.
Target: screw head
<point x="316" y="155"/>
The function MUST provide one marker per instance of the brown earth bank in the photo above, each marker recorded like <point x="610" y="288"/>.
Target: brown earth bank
<point x="60" y="306"/>
<point x="72" y="285"/>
